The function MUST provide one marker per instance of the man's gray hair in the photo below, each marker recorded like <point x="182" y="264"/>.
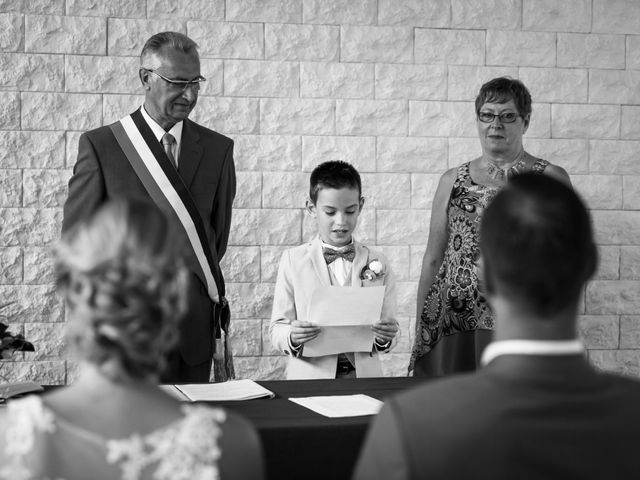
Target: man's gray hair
<point x="175" y="40"/>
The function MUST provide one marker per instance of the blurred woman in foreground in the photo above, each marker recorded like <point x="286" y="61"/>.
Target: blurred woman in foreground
<point x="124" y="284"/>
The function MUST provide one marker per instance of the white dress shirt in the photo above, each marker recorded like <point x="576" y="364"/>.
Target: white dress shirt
<point x="340" y="267"/>
<point x="530" y="347"/>
<point x="158" y="131"/>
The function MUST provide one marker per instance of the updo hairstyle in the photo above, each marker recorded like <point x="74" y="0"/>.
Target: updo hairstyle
<point x="124" y="282"/>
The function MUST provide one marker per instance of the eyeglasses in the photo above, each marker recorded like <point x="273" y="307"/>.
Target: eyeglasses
<point x="180" y="85"/>
<point x="488" y="117"/>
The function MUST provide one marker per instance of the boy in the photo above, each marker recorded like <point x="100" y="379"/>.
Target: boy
<point x="332" y="258"/>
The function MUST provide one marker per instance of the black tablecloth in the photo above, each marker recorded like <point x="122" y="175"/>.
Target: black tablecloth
<point x="301" y="444"/>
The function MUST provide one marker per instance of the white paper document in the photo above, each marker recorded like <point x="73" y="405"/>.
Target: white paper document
<point x="341" y="405"/>
<point x="345" y="315"/>
<point x="221" y="392"/>
<point x="174" y="392"/>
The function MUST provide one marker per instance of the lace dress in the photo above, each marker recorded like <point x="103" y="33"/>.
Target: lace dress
<point x="456" y="320"/>
<point x="39" y="445"/>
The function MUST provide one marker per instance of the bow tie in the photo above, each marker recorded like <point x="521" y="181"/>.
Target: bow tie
<point x="330" y="255"/>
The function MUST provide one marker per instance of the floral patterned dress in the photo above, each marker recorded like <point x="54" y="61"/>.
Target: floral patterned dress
<point x="454" y="304"/>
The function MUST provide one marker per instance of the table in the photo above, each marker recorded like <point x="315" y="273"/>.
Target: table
<point x="302" y="444"/>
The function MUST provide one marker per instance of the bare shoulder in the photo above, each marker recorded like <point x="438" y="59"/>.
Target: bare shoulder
<point x="559" y="173"/>
<point x="445" y="185"/>
<point x="449" y="177"/>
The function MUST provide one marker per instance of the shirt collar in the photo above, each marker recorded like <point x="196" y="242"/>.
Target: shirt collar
<point x="337" y="249"/>
<point x="530" y="347"/>
<point x="158" y="131"/>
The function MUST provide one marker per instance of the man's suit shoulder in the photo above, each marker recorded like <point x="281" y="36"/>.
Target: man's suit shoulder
<point x="444" y="389"/>
<point x="209" y="134"/>
<point x="204" y="132"/>
<point x="474" y="397"/>
<point x="464" y="396"/>
<point x="100" y="132"/>
<point x="101" y="141"/>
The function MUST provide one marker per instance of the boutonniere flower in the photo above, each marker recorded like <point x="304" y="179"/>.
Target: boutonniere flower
<point x="372" y="270"/>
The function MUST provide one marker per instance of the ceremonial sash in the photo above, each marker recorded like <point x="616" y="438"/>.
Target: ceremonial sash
<point x="168" y="191"/>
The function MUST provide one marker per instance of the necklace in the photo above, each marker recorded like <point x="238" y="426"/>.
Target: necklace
<point x="497" y="172"/>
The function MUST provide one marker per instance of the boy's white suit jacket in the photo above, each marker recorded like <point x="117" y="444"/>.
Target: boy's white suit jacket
<point x="302" y="270"/>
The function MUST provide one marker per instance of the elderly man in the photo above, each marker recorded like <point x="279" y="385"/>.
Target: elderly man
<point x="536" y="409"/>
<point x="188" y="171"/>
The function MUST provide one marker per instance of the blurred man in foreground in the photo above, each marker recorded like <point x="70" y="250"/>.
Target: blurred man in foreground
<point x="536" y="409"/>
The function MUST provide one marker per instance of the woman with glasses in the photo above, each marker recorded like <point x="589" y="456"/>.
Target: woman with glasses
<point x="454" y="322"/>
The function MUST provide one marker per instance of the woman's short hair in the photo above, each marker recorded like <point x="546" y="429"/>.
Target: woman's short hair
<point x="124" y="279"/>
<point x="503" y="89"/>
<point x="537" y="244"/>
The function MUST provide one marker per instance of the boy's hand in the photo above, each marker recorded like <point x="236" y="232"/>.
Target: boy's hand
<point x="384" y="332"/>
<point x="302" y="332"/>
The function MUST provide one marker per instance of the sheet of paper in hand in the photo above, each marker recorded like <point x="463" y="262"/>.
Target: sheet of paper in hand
<point x="345" y="315"/>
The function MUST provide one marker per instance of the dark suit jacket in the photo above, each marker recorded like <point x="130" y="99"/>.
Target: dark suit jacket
<point x="521" y="417"/>
<point x="206" y="166"/>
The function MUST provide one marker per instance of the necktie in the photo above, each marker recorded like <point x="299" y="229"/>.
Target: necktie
<point x="167" y="142"/>
<point x="330" y="255"/>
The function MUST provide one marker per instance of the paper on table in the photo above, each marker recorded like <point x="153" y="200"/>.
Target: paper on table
<point x="174" y="392"/>
<point x="341" y="405"/>
<point x="219" y="392"/>
<point x="345" y="315"/>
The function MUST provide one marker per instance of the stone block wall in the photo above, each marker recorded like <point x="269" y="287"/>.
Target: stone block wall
<point x="385" y="84"/>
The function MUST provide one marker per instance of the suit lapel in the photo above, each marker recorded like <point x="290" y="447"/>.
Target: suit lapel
<point x="190" y="153"/>
<point x="317" y="260"/>
<point x="360" y="260"/>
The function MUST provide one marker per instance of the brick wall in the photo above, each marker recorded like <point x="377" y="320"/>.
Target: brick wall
<point x="385" y="84"/>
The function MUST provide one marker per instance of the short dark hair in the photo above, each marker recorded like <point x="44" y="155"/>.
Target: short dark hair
<point x="333" y="174"/>
<point x="176" y="40"/>
<point x="503" y="89"/>
<point x="537" y="244"/>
